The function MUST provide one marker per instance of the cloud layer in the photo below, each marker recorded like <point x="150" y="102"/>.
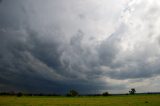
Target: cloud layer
<point x="87" y="45"/>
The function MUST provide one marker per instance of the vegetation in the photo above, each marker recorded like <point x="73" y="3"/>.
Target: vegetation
<point x="19" y="94"/>
<point x="132" y="91"/>
<point x="73" y="93"/>
<point x="123" y="100"/>
<point x="105" y="94"/>
<point x="74" y="99"/>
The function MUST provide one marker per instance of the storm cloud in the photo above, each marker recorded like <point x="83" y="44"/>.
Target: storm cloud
<point x="88" y="45"/>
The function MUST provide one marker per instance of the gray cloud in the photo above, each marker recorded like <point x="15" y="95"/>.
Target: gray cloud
<point x="54" y="46"/>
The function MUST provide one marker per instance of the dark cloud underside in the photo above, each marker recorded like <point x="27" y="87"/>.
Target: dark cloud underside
<point x="90" y="46"/>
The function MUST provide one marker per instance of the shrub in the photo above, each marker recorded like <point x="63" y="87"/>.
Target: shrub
<point x="105" y="94"/>
<point x="19" y="94"/>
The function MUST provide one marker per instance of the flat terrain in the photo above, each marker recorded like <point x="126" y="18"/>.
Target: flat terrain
<point x="128" y="100"/>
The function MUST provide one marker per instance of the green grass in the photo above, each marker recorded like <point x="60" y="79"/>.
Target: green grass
<point x="128" y="100"/>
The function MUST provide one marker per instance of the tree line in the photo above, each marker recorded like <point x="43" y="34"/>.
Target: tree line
<point x="71" y="93"/>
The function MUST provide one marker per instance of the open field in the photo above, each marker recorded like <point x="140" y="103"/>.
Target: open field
<point x="128" y="100"/>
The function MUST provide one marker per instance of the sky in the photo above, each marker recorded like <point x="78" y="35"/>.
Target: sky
<point x="92" y="46"/>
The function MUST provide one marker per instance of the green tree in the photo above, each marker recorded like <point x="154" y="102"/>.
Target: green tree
<point x="19" y="94"/>
<point x="73" y="93"/>
<point x="105" y="94"/>
<point x="132" y="91"/>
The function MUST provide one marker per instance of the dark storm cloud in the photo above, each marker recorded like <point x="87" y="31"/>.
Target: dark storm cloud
<point x="54" y="51"/>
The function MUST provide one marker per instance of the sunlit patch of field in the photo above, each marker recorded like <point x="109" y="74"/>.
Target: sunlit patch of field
<point x="135" y="100"/>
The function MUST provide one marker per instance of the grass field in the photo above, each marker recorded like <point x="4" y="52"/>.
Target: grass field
<point x="128" y="100"/>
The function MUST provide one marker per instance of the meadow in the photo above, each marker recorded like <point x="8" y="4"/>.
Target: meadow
<point x="124" y="100"/>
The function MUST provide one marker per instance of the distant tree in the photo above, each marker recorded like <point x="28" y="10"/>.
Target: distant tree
<point x="19" y="94"/>
<point x="132" y="91"/>
<point x="105" y="94"/>
<point x="11" y="93"/>
<point x="72" y="93"/>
